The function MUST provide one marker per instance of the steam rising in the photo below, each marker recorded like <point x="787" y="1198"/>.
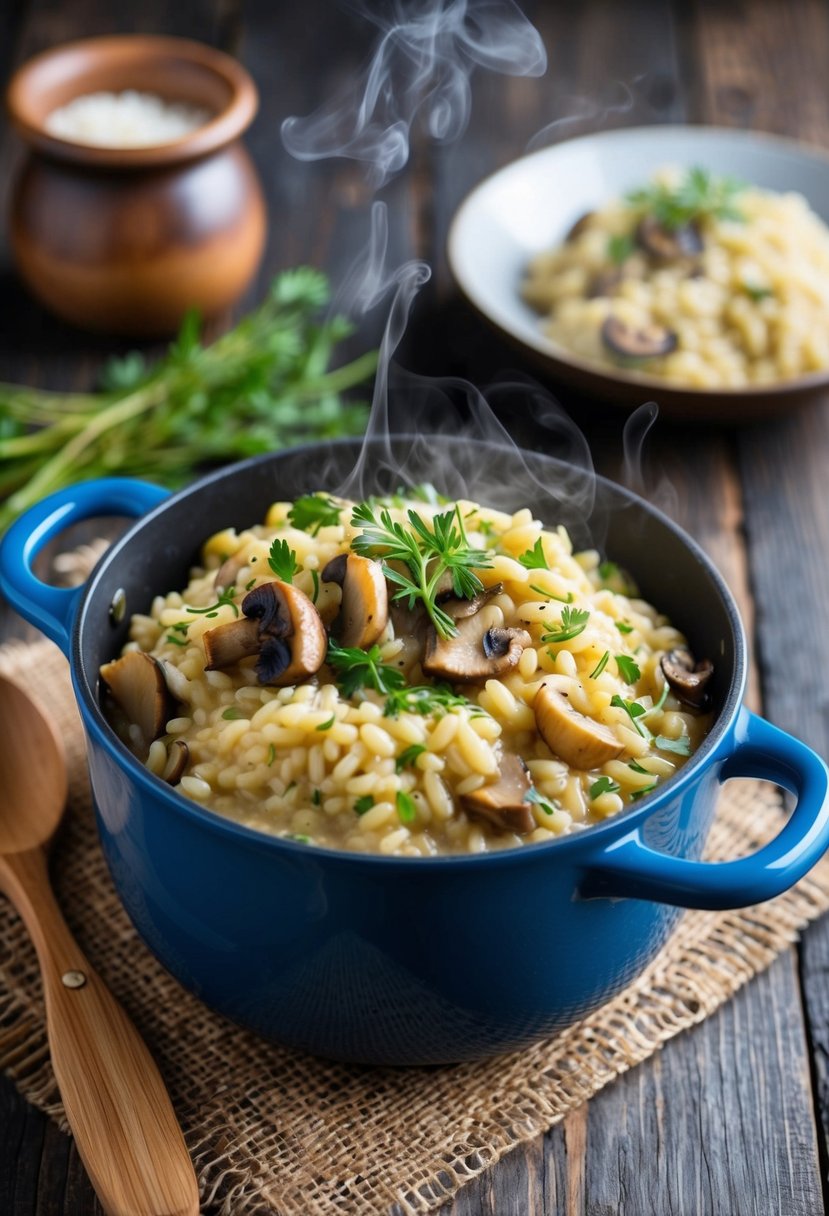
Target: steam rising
<point x="420" y="70"/>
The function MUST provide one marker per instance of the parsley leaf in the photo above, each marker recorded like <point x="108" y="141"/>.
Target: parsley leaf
<point x="600" y="666"/>
<point x="548" y="595"/>
<point x="620" y="247"/>
<point x="424" y="699"/>
<point x="225" y="598"/>
<point x="231" y="714"/>
<point x="271" y="754"/>
<point x="358" y="669"/>
<point x="646" y="789"/>
<point x="680" y="746"/>
<point x="311" y="512"/>
<point x="327" y="724"/>
<point x="408" y="757"/>
<point x="282" y="560"/>
<point x="604" y="785"/>
<point x="363" y="804"/>
<point x="534" y="558"/>
<point x="573" y="622"/>
<point x="756" y="293"/>
<point x="628" y="668"/>
<point x="623" y="627"/>
<point x="427" y="553"/>
<point x="406" y="807"/>
<point x="698" y="196"/>
<point x="633" y="710"/>
<point x="533" y="795"/>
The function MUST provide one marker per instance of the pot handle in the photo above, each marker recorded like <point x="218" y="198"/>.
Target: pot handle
<point x="52" y="608"/>
<point x="630" y="868"/>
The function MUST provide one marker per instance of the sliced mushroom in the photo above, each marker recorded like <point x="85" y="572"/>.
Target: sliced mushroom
<point x="504" y="803"/>
<point x="457" y="608"/>
<point x="605" y="283"/>
<point x="687" y="678"/>
<point x="573" y="737"/>
<point x="364" y="610"/>
<point x="178" y="755"/>
<point x="137" y="683"/>
<point x="581" y="225"/>
<point x="668" y="244"/>
<point x="290" y="637"/>
<point x="475" y="652"/>
<point x="229" y="569"/>
<point x="648" y="342"/>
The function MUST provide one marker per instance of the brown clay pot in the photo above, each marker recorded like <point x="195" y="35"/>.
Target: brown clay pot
<point x="125" y="240"/>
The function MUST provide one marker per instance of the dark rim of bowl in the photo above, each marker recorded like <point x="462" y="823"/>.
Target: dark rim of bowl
<point x="607" y="830"/>
<point x="223" y="128"/>
<point x="608" y="375"/>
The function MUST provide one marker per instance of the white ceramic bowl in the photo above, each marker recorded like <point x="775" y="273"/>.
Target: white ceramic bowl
<point x="529" y="205"/>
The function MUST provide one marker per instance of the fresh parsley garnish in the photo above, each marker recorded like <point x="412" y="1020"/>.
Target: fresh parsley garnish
<point x="573" y="622"/>
<point x="534" y="558"/>
<point x="645" y="789"/>
<point x="271" y="754"/>
<point x="300" y="839"/>
<point x="231" y="714"/>
<point x="533" y="795"/>
<point x="427" y="553"/>
<point x="315" y="579"/>
<point x="176" y="640"/>
<point x="327" y="724"/>
<point x="406" y="807"/>
<point x="316" y="797"/>
<point x="314" y="511"/>
<point x="638" y="768"/>
<point x="623" y="627"/>
<point x="363" y="804"/>
<point x="604" y="785"/>
<point x="424" y="699"/>
<point x="358" y="669"/>
<point x="225" y="598"/>
<point x="620" y="247"/>
<point x="600" y="666"/>
<point x="680" y="746"/>
<point x="657" y="705"/>
<point x="250" y="584"/>
<point x="756" y="293"/>
<point x="634" y="711"/>
<point x="408" y="757"/>
<point x="628" y="668"/>
<point x="282" y="560"/>
<point x="698" y="196"/>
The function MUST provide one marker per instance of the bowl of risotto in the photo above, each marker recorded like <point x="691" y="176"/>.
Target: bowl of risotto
<point x="690" y="264"/>
<point x="403" y="774"/>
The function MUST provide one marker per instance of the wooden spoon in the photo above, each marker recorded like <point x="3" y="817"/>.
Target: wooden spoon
<point x="115" y="1100"/>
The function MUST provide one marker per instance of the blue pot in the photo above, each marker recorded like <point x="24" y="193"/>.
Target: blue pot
<point x="405" y="960"/>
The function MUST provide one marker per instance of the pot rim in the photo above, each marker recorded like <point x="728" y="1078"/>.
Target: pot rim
<point x="596" y="834"/>
<point x="71" y="63"/>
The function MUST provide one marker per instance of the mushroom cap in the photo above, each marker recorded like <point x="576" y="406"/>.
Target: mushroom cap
<point x="228" y="643"/>
<point x="178" y="754"/>
<point x="570" y="735"/>
<point x="293" y="641"/>
<point x="364" y="610"/>
<point x="136" y="682"/>
<point x="668" y="244"/>
<point x="686" y="678"/>
<point x="476" y="652"/>
<point x="647" y="342"/>
<point x="503" y="803"/>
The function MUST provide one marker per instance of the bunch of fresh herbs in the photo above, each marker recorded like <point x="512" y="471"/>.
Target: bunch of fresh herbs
<point x="263" y="385"/>
<point x="699" y="195"/>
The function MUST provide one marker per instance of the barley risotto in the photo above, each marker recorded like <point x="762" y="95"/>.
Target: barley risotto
<point x="701" y="280"/>
<point x="407" y="676"/>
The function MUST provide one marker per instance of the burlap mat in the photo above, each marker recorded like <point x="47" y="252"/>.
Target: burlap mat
<point x="273" y="1131"/>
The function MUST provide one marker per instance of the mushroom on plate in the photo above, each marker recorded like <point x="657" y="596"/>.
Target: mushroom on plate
<point x="281" y="626"/>
<point x="504" y="803"/>
<point x="581" y="225"/>
<point x="137" y="684"/>
<point x="570" y="735"/>
<point x="644" y="342"/>
<point x="178" y="754"/>
<point x="668" y="244"/>
<point x="476" y="651"/>
<point x="364" y="609"/>
<point x="687" y="678"/>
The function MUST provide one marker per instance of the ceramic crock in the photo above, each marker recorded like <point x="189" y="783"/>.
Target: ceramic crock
<point x="126" y="240"/>
<point x="411" y="960"/>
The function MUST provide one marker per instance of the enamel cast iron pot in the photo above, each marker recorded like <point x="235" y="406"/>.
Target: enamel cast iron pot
<point x="411" y="960"/>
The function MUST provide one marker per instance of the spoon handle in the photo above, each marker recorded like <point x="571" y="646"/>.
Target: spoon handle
<point x="115" y="1100"/>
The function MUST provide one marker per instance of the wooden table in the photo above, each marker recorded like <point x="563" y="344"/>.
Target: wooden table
<point x="732" y="1117"/>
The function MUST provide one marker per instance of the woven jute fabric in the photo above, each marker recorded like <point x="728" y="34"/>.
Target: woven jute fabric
<point x="271" y="1130"/>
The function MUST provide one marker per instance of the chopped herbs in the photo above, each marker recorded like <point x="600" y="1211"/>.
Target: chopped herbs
<point x="356" y="669"/>
<point x="633" y="710"/>
<point x="757" y="293"/>
<point x="620" y="247"/>
<point x="628" y="668"/>
<point x="533" y="796"/>
<point x="327" y="724"/>
<point x="604" y="785"/>
<point x="231" y="714"/>
<point x="271" y="754"/>
<point x="623" y="627"/>
<point x="637" y="767"/>
<point x="282" y="560"/>
<point x="427" y="553"/>
<point x="600" y="666"/>
<point x="657" y="705"/>
<point x="406" y="807"/>
<point x="298" y="839"/>
<point x="226" y="598"/>
<point x="315" y="579"/>
<point x="363" y="804"/>
<point x="250" y="584"/>
<point x="646" y="789"/>
<point x="314" y="511"/>
<point x="680" y="746"/>
<point x="408" y="757"/>
<point x="534" y="558"/>
<point x="176" y="640"/>
<point x="548" y="595"/>
<point x="698" y="196"/>
<point x="316" y="797"/>
<point x="425" y="699"/>
<point x="573" y="622"/>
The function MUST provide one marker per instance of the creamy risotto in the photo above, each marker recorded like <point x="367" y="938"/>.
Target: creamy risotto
<point x="406" y="676"/>
<point x="699" y="280"/>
